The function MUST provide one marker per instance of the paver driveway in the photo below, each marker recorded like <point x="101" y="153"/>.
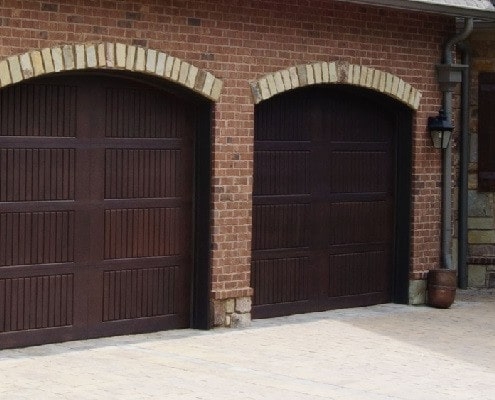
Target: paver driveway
<point x="380" y="352"/>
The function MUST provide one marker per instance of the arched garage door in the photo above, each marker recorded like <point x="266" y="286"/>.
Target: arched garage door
<point x="325" y="197"/>
<point x="96" y="183"/>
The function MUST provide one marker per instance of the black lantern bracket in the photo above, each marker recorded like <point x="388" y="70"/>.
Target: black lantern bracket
<point x="440" y="130"/>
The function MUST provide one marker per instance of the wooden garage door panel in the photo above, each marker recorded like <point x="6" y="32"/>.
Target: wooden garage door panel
<point x="324" y="191"/>
<point x="95" y="209"/>
<point x="148" y="232"/>
<point x="138" y="113"/>
<point x="139" y="293"/>
<point x="36" y="238"/>
<point x="36" y="302"/>
<point x="46" y="110"/>
<point x="36" y="174"/>
<point x="142" y="173"/>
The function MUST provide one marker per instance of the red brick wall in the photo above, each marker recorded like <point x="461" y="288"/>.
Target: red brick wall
<point x="239" y="41"/>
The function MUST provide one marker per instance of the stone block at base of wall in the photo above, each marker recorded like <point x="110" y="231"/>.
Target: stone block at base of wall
<point x="417" y="291"/>
<point x="477" y="276"/>
<point x="235" y="313"/>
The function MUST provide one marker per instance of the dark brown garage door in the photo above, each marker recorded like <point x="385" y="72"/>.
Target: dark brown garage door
<point x="324" y="201"/>
<point x="95" y="209"/>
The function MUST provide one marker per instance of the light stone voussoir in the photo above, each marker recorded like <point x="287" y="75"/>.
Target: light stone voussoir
<point x="47" y="60"/>
<point x="26" y="66"/>
<point x="80" y="56"/>
<point x="334" y="72"/>
<point x="5" y="78"/>
<point x="91" y="56"/>
<point x="120" y="55"/>
<point x="37" y="61"/>
<point x="15" y="69"/>
<point x="109" y="55"/>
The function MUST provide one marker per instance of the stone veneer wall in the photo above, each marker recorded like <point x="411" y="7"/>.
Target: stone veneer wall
<point x="481" y="222"/>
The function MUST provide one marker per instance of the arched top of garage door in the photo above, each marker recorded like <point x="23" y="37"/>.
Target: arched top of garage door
<point x="337" y="72"/>
<point x="107" y="55"/>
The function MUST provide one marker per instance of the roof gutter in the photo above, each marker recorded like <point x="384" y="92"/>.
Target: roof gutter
<point x="452" y="10"/>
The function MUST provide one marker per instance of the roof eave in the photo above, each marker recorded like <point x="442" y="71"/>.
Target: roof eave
<point x="453" y="11"/>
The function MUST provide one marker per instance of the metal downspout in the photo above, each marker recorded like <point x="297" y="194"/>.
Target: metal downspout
<point x="463" y="172"/>
<point x="446" y="261"/>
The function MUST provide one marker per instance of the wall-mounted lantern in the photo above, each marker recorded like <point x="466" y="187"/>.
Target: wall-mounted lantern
<point x="440" y="130"/>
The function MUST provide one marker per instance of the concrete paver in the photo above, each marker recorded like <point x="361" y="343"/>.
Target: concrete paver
<point x="374" y="353"/>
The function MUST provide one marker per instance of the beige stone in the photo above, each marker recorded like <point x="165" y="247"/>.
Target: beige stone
<point x="473" y="181"/>
<point x="255" y="89"/>
<point x="417" y="292"/>
<point x="169" y="63"/>
<point x="217" y="89"/>
<point x="37" y="61"/>
<point x="80" y="56"/>
<point x="243" y="305"/>
<point x="140" y="59"/>
<point x="412" y="97"/>
<point x="476" y="276"/>
<point x="363" y="76"/>
<point x="183" y="72"/>
<point x="102" y="58"/>
<point x="175" y="70"/>
<point x="369" y="78"/>
<point x="191" y="77"/>
<point x="407" y="93"/>
<point x="400" y="90"/>
<point x="481" y="237"/>
<point x="68" y="55"/>
<point x="317" y="72"/>
<point x="310" y="75"/>
<point x="383" y="82"/>
<point x="209" y="80"/>
<point x="228" y="321"/>
<point x="265" y="92"/>
<point x="130" y="58"/>
<point x="120" y="55"/>
<point x="15" y="69"/>
<point x="58" y="61"/>
<point x="279" y="83"/>
<point x="5" y="78"/>
<point x="271" y="84"/>
<point x="395" y="85"/>
<point x="417" y="99"/>
<point x="160" y="63"/>
<point x="26" y="66"/>
<point x="240" y="320"/>
<point x="376" y="79"/>
<point x="294" y="78"/>
<point x="286" y="79"/>
<point x="91" y="56"/>
<point x="230" y="306"/>
<point x="110" y="55"/>
<point x="151" y="61"/>
<point x="480" y="223"/>
<point x="47" y="60"/>
<point x="388" y="83"/>
<point x="332" y="72"/>
<point x="324" y="72"/>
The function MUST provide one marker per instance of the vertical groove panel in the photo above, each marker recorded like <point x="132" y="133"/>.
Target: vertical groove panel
<point x="139" y="293"/>
<point x="35" y="302"/>
<point x="36" y="238"/>
<point x="140" y="228"/>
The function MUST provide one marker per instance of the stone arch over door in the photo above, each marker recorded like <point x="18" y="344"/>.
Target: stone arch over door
<point x="331" y="201"/>
<point x="337" y="72"/>
<point x="96" y="151"/>
<point x="109" y="56"/>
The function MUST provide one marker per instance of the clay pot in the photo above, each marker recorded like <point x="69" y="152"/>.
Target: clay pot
<point x="442" y="284"/>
